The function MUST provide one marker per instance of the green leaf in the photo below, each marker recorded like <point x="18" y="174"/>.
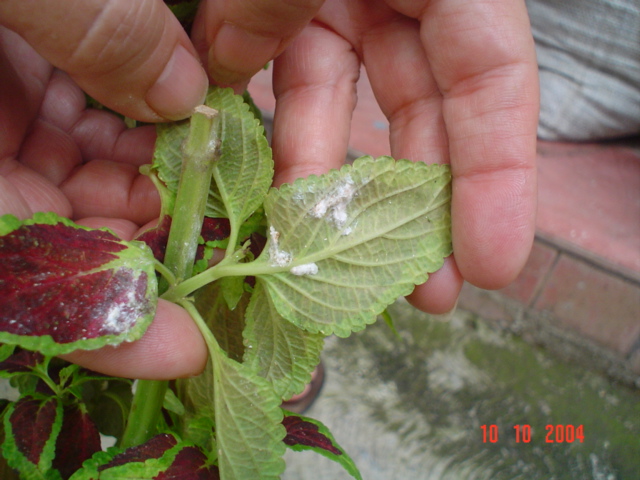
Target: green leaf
<point x="244" y="171"/>
<point x="172" y="403"/>
<point x="345" y="245"/>
<point x="278" y="350"/>
<point x="249" y="432"/>
<point x="65" y="287"/>
<point x="248" y="418"/>
<point x="225" y="323"/>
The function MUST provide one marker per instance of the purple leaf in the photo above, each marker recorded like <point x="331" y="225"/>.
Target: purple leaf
<point x="21" y="361"/>
<point x="190" y="464"/>
<point x="305" y="433"/>
<point x="32" y="423"/>
<point x="156" y="238"/>
<point x="64" y="287"/>
<point x="77" y="441"/>
<point x="301" y="432"/>
<point x="31" y="427"/>
<point x="176" y="461"/>
<point x="154" y="448"/>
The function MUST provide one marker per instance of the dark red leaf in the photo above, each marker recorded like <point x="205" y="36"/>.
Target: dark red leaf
<point x="75" y="308"/>
<point x="212" y="229"/>
<point x="32" y="423"/>
<point x="78" y="440"/>
<point x="156" y="238"/>
<point x="21" y="361"/>
<point x="154" y="448"/>
<point x="49" y="253"/>
<point x="301" y="432"/>
<point x="49" y="286"/>
<point x="215" y="229"/>
<point x="190" y="464"/>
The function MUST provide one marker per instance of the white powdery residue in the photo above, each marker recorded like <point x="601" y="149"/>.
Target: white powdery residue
<point x="333" y="206"/>
<point x="306" y="269"/>
<point x="121" y="317"/>
<point x="279" y="258"/>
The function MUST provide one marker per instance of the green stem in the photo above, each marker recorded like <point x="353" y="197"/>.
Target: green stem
<point x="145" y="411"/>
<point x="200" y="151"/>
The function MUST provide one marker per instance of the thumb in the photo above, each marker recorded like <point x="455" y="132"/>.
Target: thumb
<point x="133" y="57"/>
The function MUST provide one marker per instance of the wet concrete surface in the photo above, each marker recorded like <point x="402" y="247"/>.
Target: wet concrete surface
<point x="412" y="406"/>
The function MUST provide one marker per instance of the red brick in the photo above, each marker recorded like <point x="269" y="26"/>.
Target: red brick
<point x="533" y="275"/>
<point x="596" y="304"/>
<point x="489" y="305"/>
<point x="589" y="196"/>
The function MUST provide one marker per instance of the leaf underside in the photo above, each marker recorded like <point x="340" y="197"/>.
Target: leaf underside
<point x="345" y="245"/>
<point x="64" y="287"/>
<point x="278" y="350"/>
<point x="247" y="416"/>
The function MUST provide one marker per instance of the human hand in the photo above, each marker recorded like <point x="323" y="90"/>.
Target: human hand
<point x="457" y="81"/>
<point x="472" y="103"/>
<point x="83" y="164"/>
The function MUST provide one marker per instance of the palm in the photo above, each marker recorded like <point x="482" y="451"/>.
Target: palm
<point x="58" y="156"/>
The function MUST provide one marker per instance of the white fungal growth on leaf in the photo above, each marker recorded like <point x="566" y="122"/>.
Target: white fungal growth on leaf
<point x="333" y="206"/>
<point x="306" y="269"/>
<point x="279" y="258"/>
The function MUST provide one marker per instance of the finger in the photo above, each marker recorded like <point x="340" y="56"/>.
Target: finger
<point x="394" y="56"/>
<point x="408" y="95"/>
<point x="236" y="39"/>
<point x="124" y="229"/>
<point x="440" y="293"/>
<point x="132" y="56"/>
<point x="483" y="60"/>
<point x="25" y="192"/>
<point x="98" y="134"/>
<point x="50" y="152"/>
<point x="105" y="188"/>
<point x="23" y="75"/>
<point x="171" y="348"/>
<point x="314" y="85"/>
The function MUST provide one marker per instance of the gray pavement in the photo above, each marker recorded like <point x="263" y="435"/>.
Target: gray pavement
<point x="412" y="407"/>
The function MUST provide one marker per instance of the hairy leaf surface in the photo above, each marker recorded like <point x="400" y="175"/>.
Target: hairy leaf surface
<point x="248" y="418"/>
<point x="64" y="287"/>
<point x="281" y="352"/>
<point x="345" y="245"/>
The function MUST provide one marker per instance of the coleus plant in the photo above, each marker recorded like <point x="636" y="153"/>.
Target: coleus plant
<point x="266" y="274"/>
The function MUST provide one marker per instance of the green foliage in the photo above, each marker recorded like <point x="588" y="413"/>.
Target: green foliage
<point x="324" y="255"/>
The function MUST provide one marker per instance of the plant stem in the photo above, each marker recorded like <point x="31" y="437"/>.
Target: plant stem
<point x="200" y="151"/>
<point x="144" y="413"/>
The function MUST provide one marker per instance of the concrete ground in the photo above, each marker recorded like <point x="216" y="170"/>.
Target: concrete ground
<point x="413" y="407"/>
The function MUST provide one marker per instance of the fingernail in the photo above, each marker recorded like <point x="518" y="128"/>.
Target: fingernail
<point x="180" y="88"/>
<point x="236" y="54"/>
